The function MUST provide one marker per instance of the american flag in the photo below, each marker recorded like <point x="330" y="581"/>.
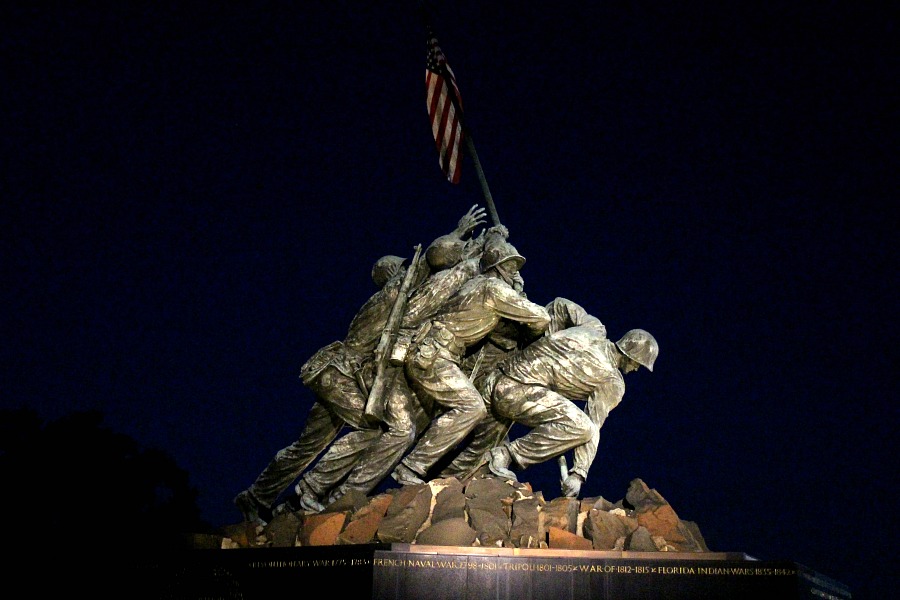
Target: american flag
<point x="444" y="110"/>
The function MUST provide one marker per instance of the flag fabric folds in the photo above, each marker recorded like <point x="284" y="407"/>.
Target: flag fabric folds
<point x="444" y="110"/>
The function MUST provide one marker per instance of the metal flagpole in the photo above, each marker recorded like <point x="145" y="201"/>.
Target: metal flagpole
<point x="470" y="146"/>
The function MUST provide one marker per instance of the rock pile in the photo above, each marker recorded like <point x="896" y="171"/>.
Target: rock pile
<point x="482" y="511"/>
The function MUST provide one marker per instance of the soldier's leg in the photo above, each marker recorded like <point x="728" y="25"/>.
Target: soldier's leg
<point x="340" y="401"/>
<point x="446" y="385"/>
<point x="343" y="396"/>
<point x="486" y="435"/>
<point x="492" y="431"/>
<point x="558" y="424"/>
<point x="342" y="456"/>
<point x="400" y="412"/>
<point x="322" y="426"/>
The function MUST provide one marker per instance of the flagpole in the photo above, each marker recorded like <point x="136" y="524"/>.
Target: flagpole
<point x="470" y="146"/>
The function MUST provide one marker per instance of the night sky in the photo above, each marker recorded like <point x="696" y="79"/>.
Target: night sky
<point x="194" y="195"/>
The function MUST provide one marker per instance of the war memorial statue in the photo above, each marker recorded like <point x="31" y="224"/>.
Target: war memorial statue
<point x="537" y="387"/>
<point x="341" y="374"/>
<point x="444" y="358"/>
<point x="422" y="396"/>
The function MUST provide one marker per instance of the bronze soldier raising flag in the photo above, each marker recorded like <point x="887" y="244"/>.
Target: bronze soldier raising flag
<point x="411" y="381"/>
<point x="538" y="386"/>
<point x="340" y="375"/>
<point x="433" y="365"/>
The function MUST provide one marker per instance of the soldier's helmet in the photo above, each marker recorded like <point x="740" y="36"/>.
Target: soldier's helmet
<point x="639" y="346"/>
<point x="385" y="268"/>
<point x="497" y="251"/>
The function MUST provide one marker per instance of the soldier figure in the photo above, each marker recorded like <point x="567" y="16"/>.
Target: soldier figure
<point x="361" y="464"/>
<point x="537" y="387"/>
<point x="341" y="374"/>
<point x="433" y="362"/>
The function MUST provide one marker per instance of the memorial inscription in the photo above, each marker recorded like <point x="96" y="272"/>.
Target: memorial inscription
<point x="592" y="575"/>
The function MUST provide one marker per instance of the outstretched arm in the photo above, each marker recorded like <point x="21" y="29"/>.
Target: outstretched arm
<point x="565" y="313"/>
<point x="508" y="303"/>
<point x="602" y="400"/>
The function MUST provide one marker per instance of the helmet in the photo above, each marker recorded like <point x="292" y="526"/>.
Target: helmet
<point x="444" y="252"/>
<point x="385" y="268"/>
<point x="639" y="346"/>
<point x="496" y="251"/>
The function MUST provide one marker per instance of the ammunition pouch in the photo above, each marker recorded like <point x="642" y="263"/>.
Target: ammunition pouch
<point x="321" y="359"/>
<point x="400" y="348"/>
<point x="433" y="339"/>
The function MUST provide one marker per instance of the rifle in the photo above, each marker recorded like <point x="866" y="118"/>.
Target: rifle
<point x="375" y="401"/>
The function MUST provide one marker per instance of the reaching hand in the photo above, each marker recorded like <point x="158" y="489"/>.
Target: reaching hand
<point x="571" y="487"/>
<point x="470" y="220"/>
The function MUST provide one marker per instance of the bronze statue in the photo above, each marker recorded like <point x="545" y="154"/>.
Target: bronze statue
<point x="338" y="375"/>
<point x="432" y="365"/>
<point x="360" y="465"/>
<point x="449" y="346"/>
<point x="537" y="386"/>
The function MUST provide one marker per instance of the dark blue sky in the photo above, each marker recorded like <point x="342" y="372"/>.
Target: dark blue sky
<point x="195" y="194"/>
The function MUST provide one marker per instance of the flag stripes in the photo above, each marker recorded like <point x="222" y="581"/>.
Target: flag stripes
<point x="444" y="105"/>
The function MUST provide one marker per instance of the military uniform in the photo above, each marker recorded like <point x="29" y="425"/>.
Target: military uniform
<point x="433" y="364"/>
